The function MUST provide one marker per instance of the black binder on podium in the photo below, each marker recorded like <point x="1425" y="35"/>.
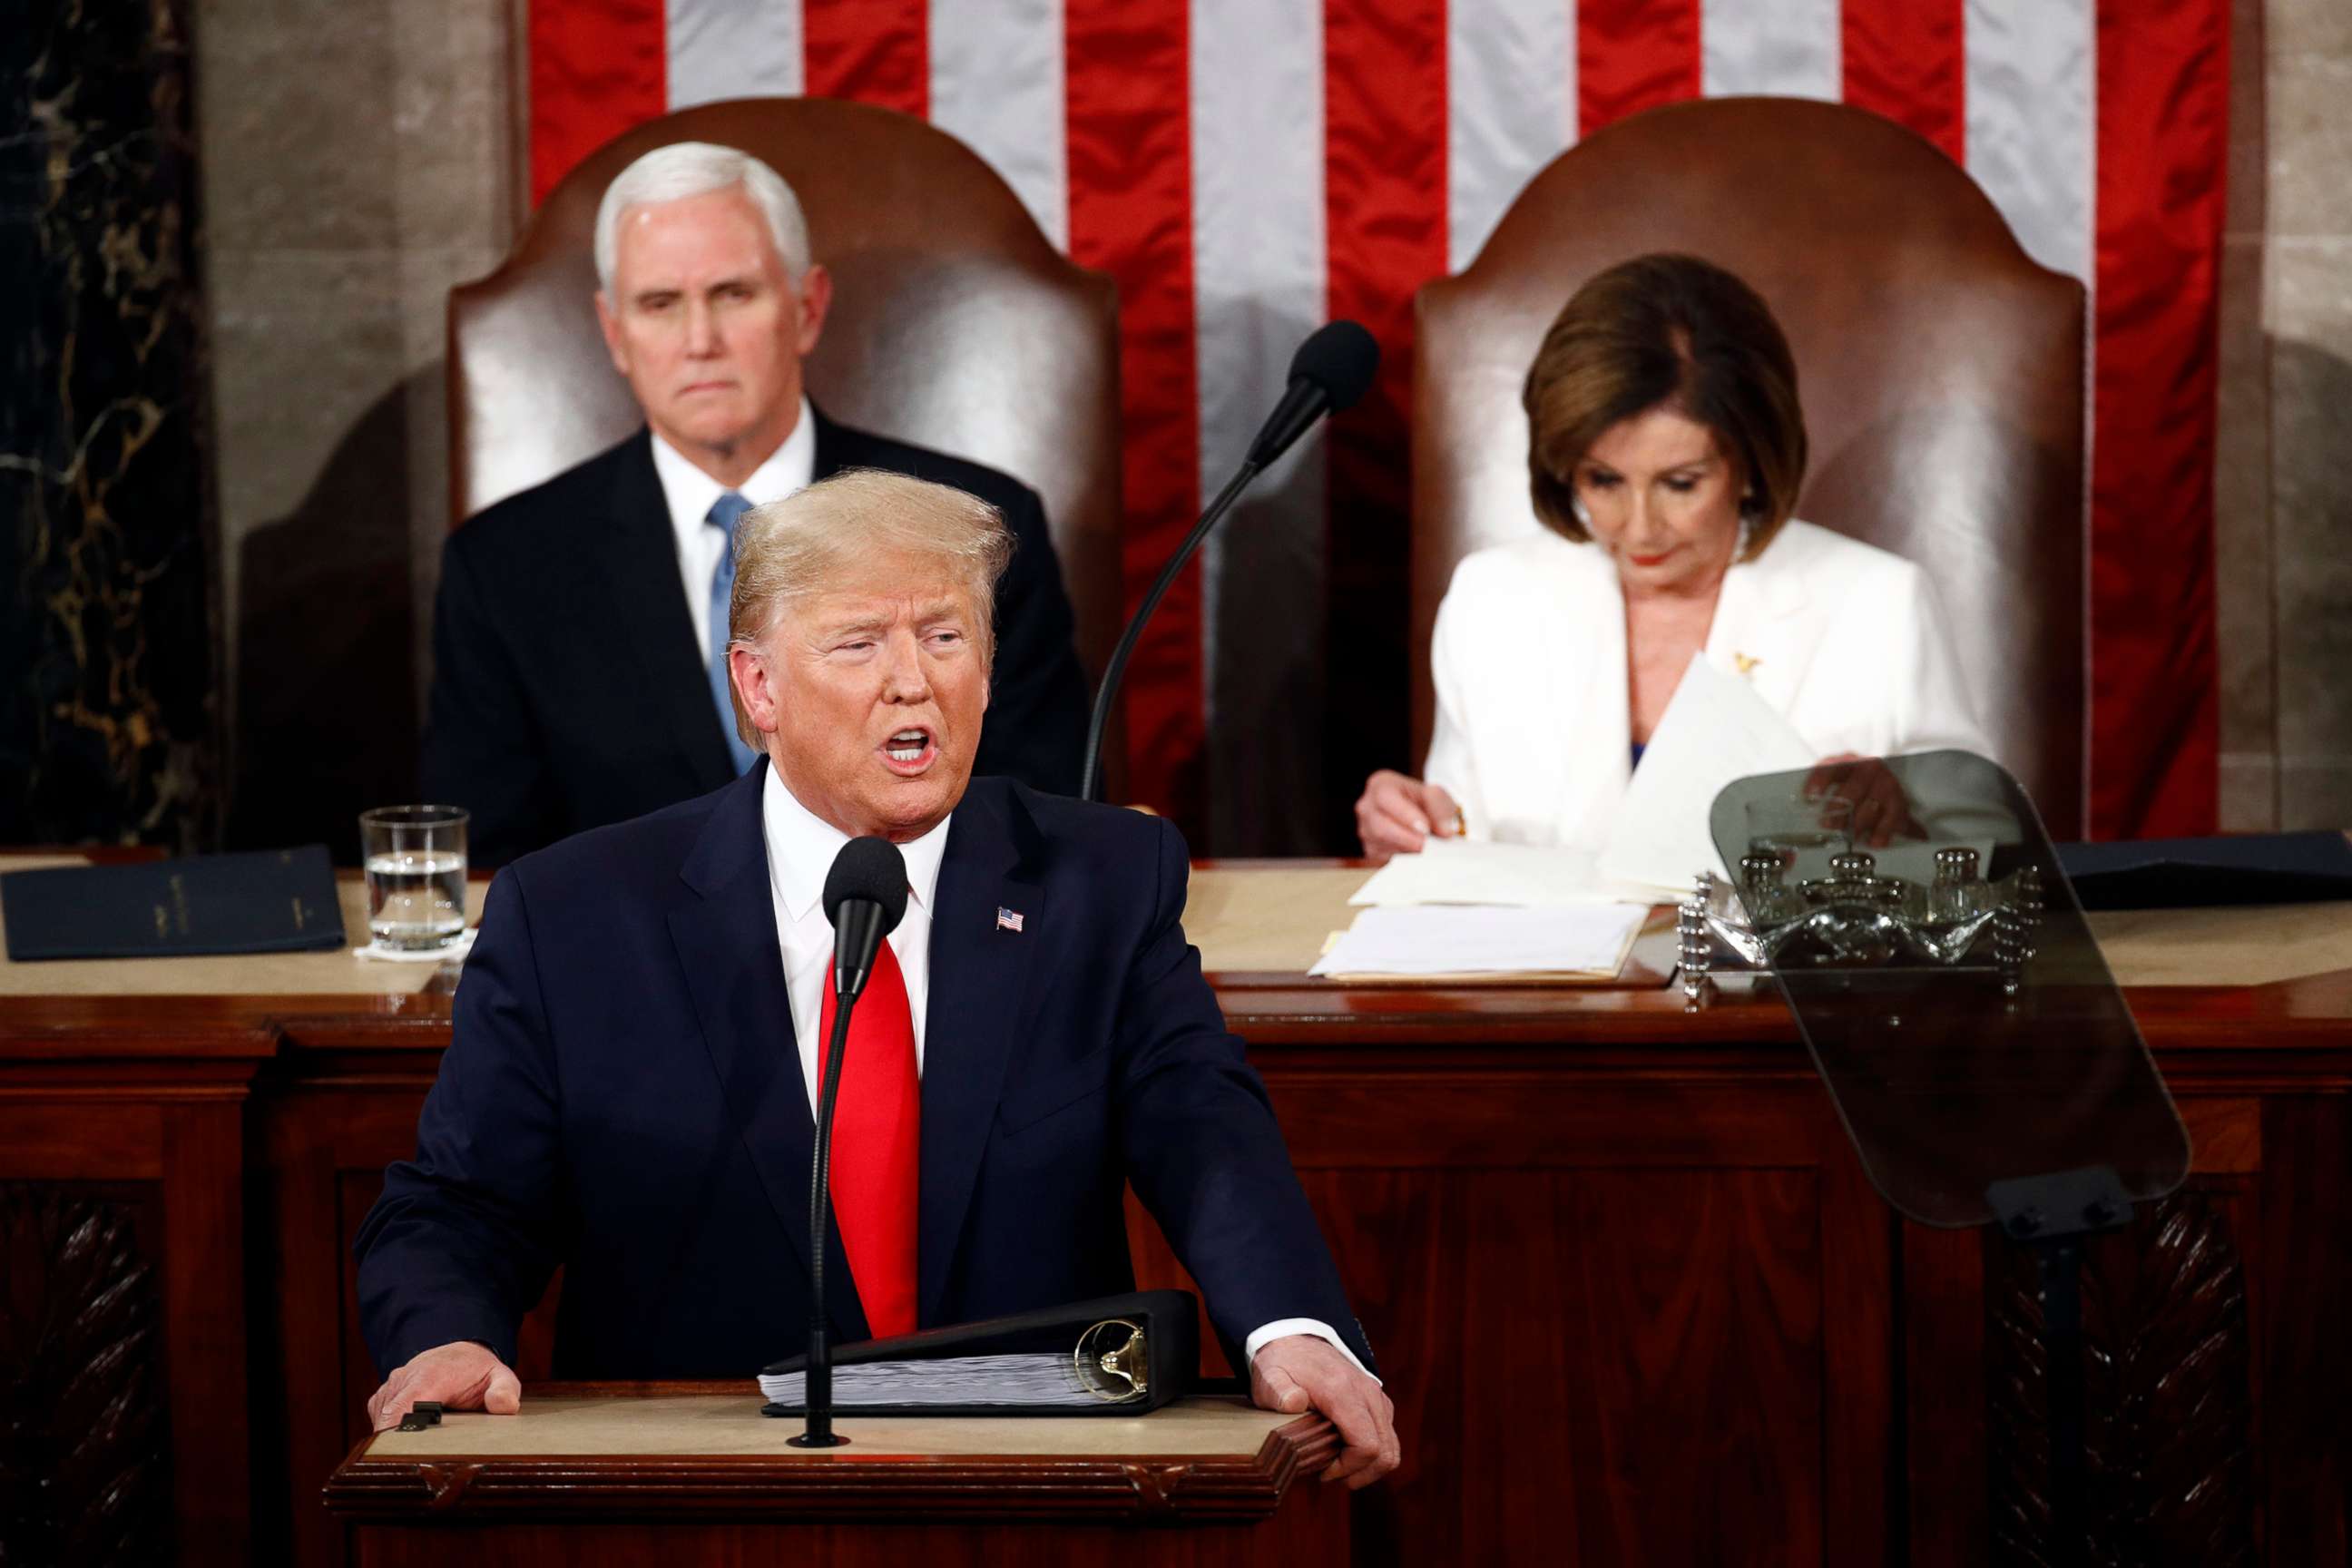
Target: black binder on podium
<point x="1115" y="1355"/>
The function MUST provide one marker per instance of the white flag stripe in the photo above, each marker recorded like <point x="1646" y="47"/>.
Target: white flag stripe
<point x="1510" y="108"/>
<point x="733" y="48"/>
<point x="996" y="86"/>
<point x="1789" y="48"/>
<point x="1259" y="270"/>
<point x="2031" y="80"/>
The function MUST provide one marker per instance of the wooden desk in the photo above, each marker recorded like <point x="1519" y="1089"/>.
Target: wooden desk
<point x="1632" y="1292"/>
<point x="692" y="1472"/>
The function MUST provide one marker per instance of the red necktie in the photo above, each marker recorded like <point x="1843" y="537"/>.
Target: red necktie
<point x="877" y="1144"/>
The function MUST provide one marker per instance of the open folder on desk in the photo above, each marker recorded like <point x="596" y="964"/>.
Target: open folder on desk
<point x="1473" y="871"/>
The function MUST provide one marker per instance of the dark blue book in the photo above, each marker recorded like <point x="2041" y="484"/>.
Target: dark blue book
<point x="2204" y="873"/>
<point x="270" y="900"/>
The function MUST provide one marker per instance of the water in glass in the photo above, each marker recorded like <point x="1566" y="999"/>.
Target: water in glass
<point x="417" y="897"/>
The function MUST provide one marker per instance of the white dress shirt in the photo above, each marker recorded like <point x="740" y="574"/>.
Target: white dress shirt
<point x="690" y="493"/>
<point x="800" y="848"/>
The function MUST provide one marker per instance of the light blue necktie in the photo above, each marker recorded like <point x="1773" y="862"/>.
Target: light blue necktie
<point x="724" y="511"/>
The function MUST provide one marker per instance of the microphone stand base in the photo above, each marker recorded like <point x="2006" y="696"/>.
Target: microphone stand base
<point x="819" y="1440"/>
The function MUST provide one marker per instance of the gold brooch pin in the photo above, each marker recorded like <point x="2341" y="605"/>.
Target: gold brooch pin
<point x="1744" y="662"/>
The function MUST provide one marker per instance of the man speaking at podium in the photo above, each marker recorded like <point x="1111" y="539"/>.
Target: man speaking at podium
<point x="629" y="1088"/>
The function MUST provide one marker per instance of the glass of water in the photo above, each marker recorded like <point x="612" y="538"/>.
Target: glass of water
<point x="416" y="861"/>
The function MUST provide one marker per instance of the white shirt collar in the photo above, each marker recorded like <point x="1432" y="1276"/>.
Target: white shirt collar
<point x="801" y="844"/>
<point x="690" y="492"/>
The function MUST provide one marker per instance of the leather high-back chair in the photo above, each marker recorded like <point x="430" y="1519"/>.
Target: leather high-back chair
<point x="1940" y="368"/>
<point x="955" y="324"/>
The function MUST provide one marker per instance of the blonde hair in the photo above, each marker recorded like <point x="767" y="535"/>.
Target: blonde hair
<point x="792" y="549"/>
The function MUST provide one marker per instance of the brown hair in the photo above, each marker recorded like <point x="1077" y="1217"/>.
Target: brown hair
<point x="1669" y="332"/>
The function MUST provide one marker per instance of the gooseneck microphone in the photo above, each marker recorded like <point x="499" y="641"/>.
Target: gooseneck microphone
<point x="864" y="899"/>
<point x="1330" y="372"/>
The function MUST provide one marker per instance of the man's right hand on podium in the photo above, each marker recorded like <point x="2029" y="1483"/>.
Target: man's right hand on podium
<point x="461" y="1376"/>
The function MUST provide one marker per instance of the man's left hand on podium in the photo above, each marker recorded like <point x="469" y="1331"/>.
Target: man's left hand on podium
<point x="1303" y="1372"/>
<point x="462" y="1376"/>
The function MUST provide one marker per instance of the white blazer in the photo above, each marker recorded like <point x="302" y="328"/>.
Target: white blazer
<point x="1845" y="640"/>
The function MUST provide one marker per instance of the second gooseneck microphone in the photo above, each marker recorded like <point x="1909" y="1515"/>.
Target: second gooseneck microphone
<point x="1330" y="372"/>
<point x="864" y="899"/>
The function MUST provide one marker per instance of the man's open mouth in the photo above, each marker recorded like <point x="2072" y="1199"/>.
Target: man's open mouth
<point x="910" y="749"/>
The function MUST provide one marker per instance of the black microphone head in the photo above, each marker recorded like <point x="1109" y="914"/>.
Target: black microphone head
<point x="870" y="869"/>
<point x="1340" y="357"/>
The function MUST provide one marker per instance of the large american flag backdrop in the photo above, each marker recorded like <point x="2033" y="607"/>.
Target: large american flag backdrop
<point x="1248" y="168"/>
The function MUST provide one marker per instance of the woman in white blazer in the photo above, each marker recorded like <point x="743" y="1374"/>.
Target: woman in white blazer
<point x="1666" y="448"/>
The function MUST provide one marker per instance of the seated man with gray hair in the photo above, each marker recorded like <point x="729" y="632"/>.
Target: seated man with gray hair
<point x="579" y="635"/>
<point x="629" y="1088"/>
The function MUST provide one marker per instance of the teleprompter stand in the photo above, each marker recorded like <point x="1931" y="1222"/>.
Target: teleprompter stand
<point x="1956" y="1005"/>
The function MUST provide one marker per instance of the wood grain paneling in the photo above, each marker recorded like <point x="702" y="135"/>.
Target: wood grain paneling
<point x="2168" y="1392"/>
<point x="2304" y="1304"/>
<point x="84" y="1472"/>
<point x="1396" y="1238"/>
<point x="1300" y="1537"/>
<point x="44" y="1140"/>
<point x="154" y="1106"/>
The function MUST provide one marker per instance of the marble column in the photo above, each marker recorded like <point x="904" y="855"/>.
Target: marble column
<point x="2307" y="313"/>
<point x="107" y="643"/>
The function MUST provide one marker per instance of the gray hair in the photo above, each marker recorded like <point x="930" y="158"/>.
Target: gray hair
<point x="790" y="550"/>
<point x="684" y="169"/>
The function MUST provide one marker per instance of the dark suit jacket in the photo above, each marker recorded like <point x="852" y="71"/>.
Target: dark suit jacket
<point x="566" y="689"/>
<point x="622" y="1096"/>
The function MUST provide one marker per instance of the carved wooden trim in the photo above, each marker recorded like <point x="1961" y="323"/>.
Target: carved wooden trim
<point x="1180" y="1491"/>
<point x="84" y="1476"/>
<point x="2167" y="1388"/>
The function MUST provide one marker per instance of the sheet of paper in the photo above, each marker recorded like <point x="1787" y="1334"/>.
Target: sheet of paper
<point x="1716" y="730"/>
<point x="1574" y="939"/>
<point x="1469" y="871"/>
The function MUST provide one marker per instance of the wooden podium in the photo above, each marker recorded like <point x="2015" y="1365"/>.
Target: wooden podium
<point x="685" y="1473"/>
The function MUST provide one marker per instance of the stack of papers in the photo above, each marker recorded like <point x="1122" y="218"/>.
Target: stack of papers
<point x="1468" y="872"/>
<point x="1463" y="908"/>
<point x="948" y="1382"/>
<point x="1583" y="941"/>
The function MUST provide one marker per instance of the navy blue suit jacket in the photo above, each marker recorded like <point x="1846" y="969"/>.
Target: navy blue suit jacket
<point x="567" y="693"/>
<point x="623" y="1096"/>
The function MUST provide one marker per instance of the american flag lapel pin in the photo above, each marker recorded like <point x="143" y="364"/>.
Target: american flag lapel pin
<point x="1007" y="919"/>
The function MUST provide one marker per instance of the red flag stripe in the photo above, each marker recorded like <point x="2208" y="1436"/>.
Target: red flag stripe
<point x="597" y="68"/>
<point x="1130" y="177"/>
<point x="2163" y="139"/>
<point x="1632" y="55"/>
<point x="1907" y="60"/>
<point x="1385" y="222"/>
<point x="876" y="51"/>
